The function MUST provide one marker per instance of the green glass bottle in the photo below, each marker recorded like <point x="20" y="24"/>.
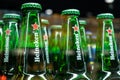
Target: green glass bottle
<point x="48" y="56"/>
<point x="74" y="53"/>
<point x="1" y="55"/>
<point x="31" y="41"/>
<point x="44" y="23"/>
<point x="56" y="46"/>
<point x="82" y="24"/>
<point x="10" y="43"/>
<point x="1" y="33"/>
<point x="90" y="56"/>
<point x="109" y="54"/>
<point x="83" y="43"/>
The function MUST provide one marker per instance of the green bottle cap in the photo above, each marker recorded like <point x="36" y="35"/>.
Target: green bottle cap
<point x="56" y="26"/>
<point x="105" y="16"/>
<point x="71" y="12"/>
<point x="44" y="21"/>
<point x="83" y="22"/>
<point x="1" y="22"/>
<point x="31" y="5"/>
<point x="11" y="16"/>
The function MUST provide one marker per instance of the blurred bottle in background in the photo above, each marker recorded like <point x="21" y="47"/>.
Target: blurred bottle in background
<point x="87" y="47"/>
<point x="107" y="47"/>
<point x="83" y="43"/>
<point x="48" y="56"/>
<point x="56" y="42"/>
<point x="31" y="42"/>
<point x="90" y="57"/>
<point x="10" y="44"/>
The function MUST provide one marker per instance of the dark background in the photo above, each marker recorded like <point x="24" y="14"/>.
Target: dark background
<point x="86" y="7"/>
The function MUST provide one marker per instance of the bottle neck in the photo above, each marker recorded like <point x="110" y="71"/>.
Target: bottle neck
<point x="11" y="28"/>
<point x="27" y="11"/>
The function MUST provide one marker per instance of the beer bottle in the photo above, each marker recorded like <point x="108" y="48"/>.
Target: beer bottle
<point x="74" y="53"/>
<point x="31" y="41"/>
<point x="83" y="23"/>
<point x="83" y="43"/>
<point x="44" y="23"/>
<point x="48" y="56"/>
<point x="1" y="33"/>
<point x="109" y="54"/>
<point x="90" y="56"/>
<point x="10" y="44"/>
<point x="1" y="55"/>
<point x="57" y="50"/>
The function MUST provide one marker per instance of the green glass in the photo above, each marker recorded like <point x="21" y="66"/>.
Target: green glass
<point x="109" y="55"/>
<point x="82" y="24"/>
<point x="45" y="40"/>
<point x="109" y="49"/>
<point x="1" y="55"/>
<point x="56" y="48"/>
<point x="31" y="45"/>
<point x="84" y="40"/>
<point x="1" y="33"/>
<point x="90" y="56"/>
<point x="48" y="56"/>
<point x="10" y="43"/>
<point x="74" y="52"/>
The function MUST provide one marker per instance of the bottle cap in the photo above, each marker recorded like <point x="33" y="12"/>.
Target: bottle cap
<point x="105" y="16"/>
<point x="82" y="22"/>
<point x="31" y="5"/>
<point x="44" y="21"/>
<point x="11" y="16"/>
<point x="1" y="22"/>
<point x="56" y="27"/>
<point x="71" y="12"/>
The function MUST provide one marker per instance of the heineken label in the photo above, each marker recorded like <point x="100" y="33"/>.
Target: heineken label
<point x="6" y="58"/>
<point x="36" y="42"/>
<point x="45" y="37"/>
<point x="112" y="56"/>
<point x="77" y="42"/>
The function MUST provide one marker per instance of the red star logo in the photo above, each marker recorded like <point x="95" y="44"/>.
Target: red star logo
<point x="3" y="77"/>
<point x="76" y="28"/>
<point x="109" y="31"/>
<point x="35" y="26"/>
<point x="45" y="37"/>
<point x="8" y="31"/>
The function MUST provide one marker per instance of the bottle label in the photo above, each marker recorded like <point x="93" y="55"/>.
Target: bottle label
<point x="45" y="37"/>
<point x="77" y="42"/>
<point x="8" y="40"/>
<point x="36" y="43"/>
<point x="112" y="56"/>
<point x="6" y="58"/>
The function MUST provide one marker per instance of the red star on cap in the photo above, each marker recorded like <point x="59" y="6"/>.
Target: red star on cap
<point x="45" y="37"/>
<point x="35" y="26"/>
<point x="76" y="28"/>
<point x="109" y="31"/>
<point x="8" y="31"/>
